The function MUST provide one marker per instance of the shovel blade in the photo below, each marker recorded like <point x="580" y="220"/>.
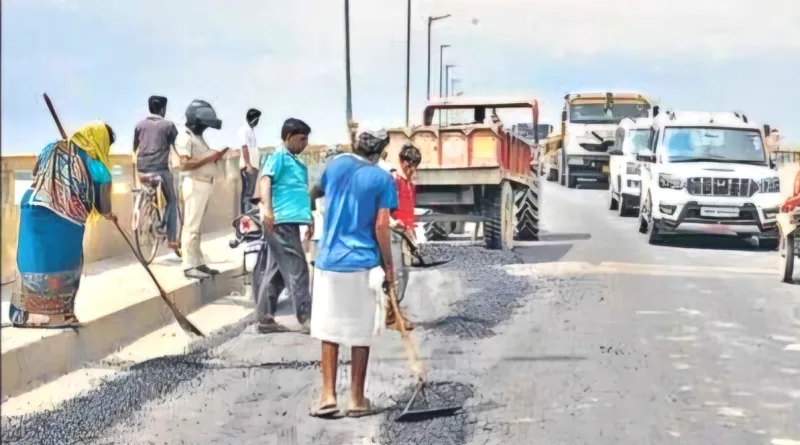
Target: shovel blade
<point x="427" y="414"/>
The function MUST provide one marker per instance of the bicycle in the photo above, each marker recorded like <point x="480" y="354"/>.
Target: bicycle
<point x="149" y="226"/>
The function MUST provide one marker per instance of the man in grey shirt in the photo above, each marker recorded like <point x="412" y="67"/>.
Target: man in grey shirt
<point x="153" y="139"/>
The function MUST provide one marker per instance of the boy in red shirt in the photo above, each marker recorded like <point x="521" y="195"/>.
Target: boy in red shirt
<point x="410" y="158"/>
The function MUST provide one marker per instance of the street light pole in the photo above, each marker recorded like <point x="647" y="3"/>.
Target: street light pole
<point x="447" y="78"/>
<point x="441" y="67"/>
<point x="350" y="123"/>
<point x="430" y="22"/>
<point x="408" y="58"/>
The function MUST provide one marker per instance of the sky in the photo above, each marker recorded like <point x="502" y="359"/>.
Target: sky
<point x="104" y="58"/>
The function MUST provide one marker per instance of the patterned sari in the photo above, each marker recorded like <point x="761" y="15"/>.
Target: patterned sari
<point x="53" y="216"/>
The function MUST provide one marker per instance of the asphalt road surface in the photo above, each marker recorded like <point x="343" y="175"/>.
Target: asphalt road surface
<point x="589" y="337"/>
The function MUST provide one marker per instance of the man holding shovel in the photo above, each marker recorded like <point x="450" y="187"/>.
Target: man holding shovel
<point x="354" y="259"/>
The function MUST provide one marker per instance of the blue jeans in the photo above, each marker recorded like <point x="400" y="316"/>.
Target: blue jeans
<point x="171" y="196"/>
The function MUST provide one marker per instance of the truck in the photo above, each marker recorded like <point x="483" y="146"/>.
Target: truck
<point x="708" y="173"/>
<point x="579" y="148"/>
<point x="475" y="170"/>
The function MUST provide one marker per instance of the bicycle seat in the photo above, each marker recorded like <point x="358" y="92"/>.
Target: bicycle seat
<point x="150" y="181"/>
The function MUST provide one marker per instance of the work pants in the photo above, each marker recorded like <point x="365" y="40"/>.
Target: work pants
<point x="196" y="194"/>
<point x="282" y="265"/>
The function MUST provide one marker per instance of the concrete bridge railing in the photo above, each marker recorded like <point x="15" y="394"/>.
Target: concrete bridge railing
<point x="102" y="240"/>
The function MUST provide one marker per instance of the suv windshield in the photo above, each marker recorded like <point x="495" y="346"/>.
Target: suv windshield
<point x="635" y="141"/>
<point x="713" y="145"/>
<point x="597" y="114"/>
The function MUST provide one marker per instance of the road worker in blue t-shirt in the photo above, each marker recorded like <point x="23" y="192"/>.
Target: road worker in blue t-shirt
<point x="285" y="206"/>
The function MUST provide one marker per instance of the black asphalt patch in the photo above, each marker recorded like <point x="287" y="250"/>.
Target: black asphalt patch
<point x="87" y="417"/>
<point x="493" y="294"/>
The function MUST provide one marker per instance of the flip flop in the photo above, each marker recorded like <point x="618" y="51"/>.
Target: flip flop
<point x="363" y="411"/>
<point x="271" y="328"/>
<point x="328" y="411"/>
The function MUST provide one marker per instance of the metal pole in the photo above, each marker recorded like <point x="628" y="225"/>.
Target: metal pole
<point x="408" y="59"/>
<point x="347" y="67"/>
<point x="430" y="22"/>
<point x="441" y="68"/>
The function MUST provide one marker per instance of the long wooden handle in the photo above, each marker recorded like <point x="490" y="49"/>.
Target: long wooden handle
<point x="417" y="367"/>
<point x="55" y="116"/>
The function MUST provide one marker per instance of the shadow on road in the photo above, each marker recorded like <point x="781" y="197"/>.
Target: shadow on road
<point x="547" y="253"/>
<point x="546" y="358"/>
<point x="711" y="242"/>
<point x="546" y="236"/>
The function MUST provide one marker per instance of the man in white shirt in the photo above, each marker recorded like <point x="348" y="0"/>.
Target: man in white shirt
<point x="250" y="161"/>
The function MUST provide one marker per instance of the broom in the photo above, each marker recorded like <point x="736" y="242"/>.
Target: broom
<point x="184" y="322"/>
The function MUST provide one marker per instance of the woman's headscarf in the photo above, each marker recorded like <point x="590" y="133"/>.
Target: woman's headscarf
<point x="94" y="139"/>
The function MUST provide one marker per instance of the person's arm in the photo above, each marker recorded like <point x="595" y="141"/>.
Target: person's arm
<point x="383" y="235"/>
<point x="270" y="172"/>
<point x="387" y="202"/>
<point x="101" y="178"/>
<point x="265" y="192"/>
<point x="135" y="139"/>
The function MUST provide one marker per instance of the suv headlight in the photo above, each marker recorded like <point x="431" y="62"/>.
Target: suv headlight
<point x="770" y="185"/>
<point x="633" y="168"/>
<point x="668" y="181"/>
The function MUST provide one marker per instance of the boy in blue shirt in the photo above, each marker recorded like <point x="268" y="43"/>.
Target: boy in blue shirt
<point x="285" y="206"/>
<point x="354" y="260"/>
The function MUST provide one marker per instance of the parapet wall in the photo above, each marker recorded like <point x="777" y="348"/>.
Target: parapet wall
<point x="102" y="239"/>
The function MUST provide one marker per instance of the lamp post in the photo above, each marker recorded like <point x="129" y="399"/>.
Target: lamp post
<point x="408" y="58"/>
<point x="441" y="67"/>
<point x="351" y="126"/>
<point x="447" y="79"/>
<point x="430" y="22"/>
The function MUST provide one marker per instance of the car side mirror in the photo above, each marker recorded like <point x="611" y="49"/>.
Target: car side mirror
<point x="646" y="155"/>
<point x="767" y="130"/>
<point x="656" y="109"/>
<point x="564" y="116"/>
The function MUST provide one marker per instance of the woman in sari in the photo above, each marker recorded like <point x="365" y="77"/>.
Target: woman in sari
<point x="71" y="186"/>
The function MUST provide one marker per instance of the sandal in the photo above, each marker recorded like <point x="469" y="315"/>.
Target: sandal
<point x="366" y="410"/>
<point x="328" y="411"/>
<point x="36" y="321"/>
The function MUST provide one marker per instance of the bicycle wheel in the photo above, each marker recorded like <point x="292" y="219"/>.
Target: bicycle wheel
<point x="146" y="233"/>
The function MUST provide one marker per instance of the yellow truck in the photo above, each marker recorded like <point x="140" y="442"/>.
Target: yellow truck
<point x="577" y="151"/>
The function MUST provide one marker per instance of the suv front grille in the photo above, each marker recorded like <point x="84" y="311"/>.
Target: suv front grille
<point x="740" y="187"/>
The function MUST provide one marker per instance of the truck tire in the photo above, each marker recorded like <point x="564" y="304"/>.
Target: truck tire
<point x="526" y="207"/>
<point x="787" y="258"/>
<point x="498" y="216"/>
<point x="435" y="231"/>
<point x="552" y="175"/>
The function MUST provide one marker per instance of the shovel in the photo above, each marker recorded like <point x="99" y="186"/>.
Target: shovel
<point x="184" y="322"/>
<point x="409" y="413"/>
<point x="415" y="251"/>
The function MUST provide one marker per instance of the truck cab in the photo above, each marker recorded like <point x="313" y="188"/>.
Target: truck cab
<point x="588" y="125"/>
<point x="631" y="136"/>
<point x="708" y="173"/>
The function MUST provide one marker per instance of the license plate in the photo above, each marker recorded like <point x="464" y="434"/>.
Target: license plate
<point x="724" y="212"/>
<point x="605" y="169"/>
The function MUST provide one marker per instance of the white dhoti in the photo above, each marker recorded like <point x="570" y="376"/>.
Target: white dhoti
<point x="349" y="308"/>
<point x="196" y="194"/>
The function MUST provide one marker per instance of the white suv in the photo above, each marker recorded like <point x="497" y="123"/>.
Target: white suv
<point x="707" y="173"/>
<point x="624" y="178"/>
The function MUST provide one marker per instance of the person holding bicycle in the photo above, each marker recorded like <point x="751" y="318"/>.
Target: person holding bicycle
<point x="153" y="139"/>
